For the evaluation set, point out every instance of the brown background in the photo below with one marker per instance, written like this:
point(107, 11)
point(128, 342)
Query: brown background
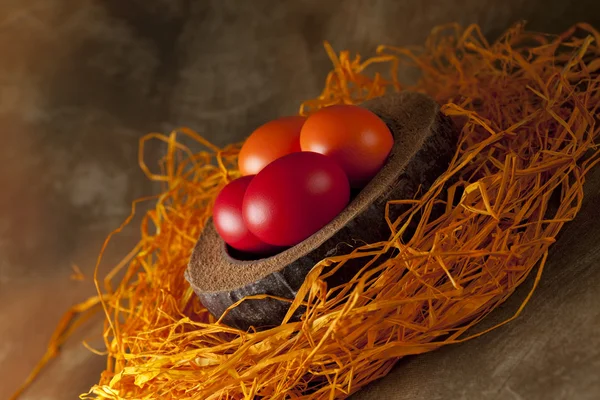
point(82, 80)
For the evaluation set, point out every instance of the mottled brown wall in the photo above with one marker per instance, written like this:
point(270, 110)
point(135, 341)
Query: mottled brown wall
point(82, 80)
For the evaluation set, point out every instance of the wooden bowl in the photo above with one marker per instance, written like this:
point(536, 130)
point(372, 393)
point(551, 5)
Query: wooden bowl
point(424, 143)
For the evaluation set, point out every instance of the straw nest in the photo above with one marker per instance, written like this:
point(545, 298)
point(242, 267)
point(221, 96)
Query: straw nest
point(527, 109)
point(424, 143)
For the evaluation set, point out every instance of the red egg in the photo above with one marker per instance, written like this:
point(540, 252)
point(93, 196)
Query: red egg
point(228, 221)
point(294, 197)
point(357, 139)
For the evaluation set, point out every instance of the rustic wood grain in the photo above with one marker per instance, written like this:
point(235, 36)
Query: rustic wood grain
point(82, 80)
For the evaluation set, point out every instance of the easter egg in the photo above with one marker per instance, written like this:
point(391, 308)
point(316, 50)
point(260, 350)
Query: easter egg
point(269, 142)
point(357, 139)
point(228, 221)
point(294, 197)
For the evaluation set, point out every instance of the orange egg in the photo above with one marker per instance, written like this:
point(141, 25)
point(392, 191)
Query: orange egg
point(269, 142)
point(357, 139)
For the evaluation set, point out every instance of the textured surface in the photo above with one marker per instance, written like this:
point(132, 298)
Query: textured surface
point(424, 144)
point(551, 352)
point(82, 80)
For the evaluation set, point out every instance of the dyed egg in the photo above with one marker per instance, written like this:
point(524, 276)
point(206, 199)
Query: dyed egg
point(357, 139)
point(269, 142)
point(294, 197)
point(228, 221)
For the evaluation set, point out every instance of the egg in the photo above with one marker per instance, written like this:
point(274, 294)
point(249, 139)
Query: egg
point(294, 197)
point(357, 139)
point(228, 220)
point(269, 142)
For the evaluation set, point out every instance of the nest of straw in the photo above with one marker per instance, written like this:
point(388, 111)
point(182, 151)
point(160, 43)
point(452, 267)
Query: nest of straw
point(527, 107)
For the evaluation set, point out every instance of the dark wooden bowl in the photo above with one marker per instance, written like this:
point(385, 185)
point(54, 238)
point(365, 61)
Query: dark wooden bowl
point(424, 143)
